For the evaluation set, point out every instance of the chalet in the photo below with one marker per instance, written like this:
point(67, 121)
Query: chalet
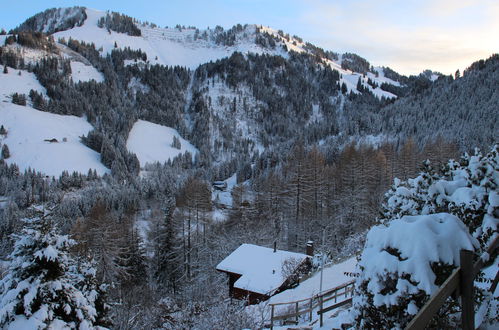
point(256, 273)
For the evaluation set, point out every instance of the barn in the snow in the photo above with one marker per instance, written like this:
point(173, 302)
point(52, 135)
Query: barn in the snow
point(256, 273)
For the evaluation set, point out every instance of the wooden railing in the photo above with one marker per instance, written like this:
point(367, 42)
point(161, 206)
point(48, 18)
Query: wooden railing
point(460, 283)
point(294, 309)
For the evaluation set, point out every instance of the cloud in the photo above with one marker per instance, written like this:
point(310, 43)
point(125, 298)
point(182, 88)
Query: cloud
point(442, 35)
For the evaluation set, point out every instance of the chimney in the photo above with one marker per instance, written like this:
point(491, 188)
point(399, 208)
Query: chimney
point(310, 248)
point(275, 247)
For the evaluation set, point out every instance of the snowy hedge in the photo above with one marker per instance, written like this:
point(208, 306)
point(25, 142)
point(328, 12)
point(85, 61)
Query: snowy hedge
point(426, 222)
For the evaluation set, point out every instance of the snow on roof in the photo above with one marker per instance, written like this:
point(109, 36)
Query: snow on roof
point(261, 268)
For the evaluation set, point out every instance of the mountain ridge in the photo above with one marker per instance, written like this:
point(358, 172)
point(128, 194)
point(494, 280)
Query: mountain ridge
point(251, 89)
point(264, 40)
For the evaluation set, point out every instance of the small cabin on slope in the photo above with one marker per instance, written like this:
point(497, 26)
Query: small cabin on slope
point(256, 273)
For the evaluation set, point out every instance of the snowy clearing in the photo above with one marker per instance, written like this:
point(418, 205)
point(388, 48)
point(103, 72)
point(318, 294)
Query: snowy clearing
point(12, 82)
point(83, 73)
point(27, 130)
point(224, 198)
point(153, 143)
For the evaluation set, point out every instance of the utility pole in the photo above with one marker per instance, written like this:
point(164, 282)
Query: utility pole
point(322, 273)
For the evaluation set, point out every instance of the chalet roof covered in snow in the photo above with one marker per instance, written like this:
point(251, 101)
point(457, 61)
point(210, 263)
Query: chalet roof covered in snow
point(261, 268)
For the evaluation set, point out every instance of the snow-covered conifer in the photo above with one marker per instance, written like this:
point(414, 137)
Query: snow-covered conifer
point(5, 152)
point(45, 287)
point(426, 222)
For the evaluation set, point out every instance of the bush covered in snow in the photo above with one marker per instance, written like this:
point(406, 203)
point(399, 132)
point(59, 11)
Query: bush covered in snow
point(426, 222)
point(45, 287)
point(467, 189)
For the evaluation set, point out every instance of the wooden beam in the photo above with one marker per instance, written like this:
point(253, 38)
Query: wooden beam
point(436, 300)
point(330, 308)
point(466, 285)
point(494, 283)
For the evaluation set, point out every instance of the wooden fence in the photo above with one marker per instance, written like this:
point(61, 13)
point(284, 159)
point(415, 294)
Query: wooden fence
point(460, 283)
point(294, 309)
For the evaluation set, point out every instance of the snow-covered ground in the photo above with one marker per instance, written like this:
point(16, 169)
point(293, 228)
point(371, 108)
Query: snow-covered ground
point(4, 200)
point(27, 130)
point(12, 82)
point(171, 46)
point(81, 72)
point(224, 198)
point(162, 46)
point(334, 275)
point(153, 143)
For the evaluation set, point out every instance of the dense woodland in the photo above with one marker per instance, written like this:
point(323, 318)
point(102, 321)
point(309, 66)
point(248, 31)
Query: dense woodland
point(302, 174)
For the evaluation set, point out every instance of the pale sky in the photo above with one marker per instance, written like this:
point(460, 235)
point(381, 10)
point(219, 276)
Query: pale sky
point(406, 35)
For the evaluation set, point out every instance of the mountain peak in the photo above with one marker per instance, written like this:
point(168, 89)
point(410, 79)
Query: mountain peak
point(191, 47)
point(54, 20)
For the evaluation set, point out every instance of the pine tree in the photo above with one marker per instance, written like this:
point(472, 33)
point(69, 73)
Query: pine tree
point(45, 287)
point(5, 152)
point(344, 88)
point(176, 142)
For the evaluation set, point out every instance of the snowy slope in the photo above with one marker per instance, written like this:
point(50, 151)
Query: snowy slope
point(184, 47)
point(28, 128)
point(81, 72)
point(153, 143)
point(162, 46)
point(171, 46)
point(225, 197)
point(333, 276)
point(348, 77)
point(12, 82)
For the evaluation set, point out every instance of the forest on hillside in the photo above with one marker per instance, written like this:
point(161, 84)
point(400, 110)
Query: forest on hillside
point(312, 160)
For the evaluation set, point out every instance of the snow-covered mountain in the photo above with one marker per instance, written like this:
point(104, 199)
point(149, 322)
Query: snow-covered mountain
point(40, 140)
point(231, 94)
point(198, 141)
point(191, 47)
